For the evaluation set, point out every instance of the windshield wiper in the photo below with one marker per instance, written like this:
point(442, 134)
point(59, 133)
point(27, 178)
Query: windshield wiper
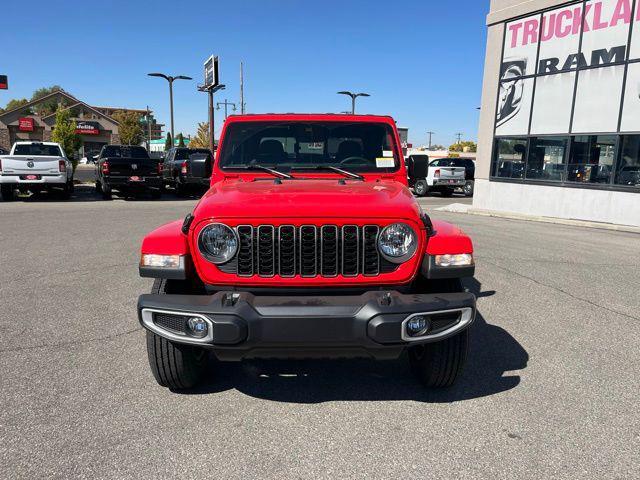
point(346, 173)
point(262, 168)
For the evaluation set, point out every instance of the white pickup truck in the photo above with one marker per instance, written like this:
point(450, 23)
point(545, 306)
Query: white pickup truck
point(35, 167)
point(438, 175)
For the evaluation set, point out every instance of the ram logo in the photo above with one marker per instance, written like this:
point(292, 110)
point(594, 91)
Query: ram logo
point(511, 89)
point(30, 164)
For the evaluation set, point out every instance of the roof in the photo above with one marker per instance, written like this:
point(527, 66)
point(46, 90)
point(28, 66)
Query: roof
point(29, 142)
point(89, 107)
point(33, 102)
point(338, 117)
point(137, 110)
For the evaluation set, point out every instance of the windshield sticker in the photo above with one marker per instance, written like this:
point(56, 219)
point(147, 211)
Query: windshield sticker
point(387, 153)
point(384, 162)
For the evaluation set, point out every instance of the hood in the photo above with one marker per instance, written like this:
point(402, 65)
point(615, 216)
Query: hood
point(308, 198)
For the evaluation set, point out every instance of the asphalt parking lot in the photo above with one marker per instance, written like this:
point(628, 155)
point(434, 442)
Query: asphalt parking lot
point(550, 390)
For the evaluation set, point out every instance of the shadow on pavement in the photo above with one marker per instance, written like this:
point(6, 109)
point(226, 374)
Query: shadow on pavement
point(87, 193)
point(492, 353)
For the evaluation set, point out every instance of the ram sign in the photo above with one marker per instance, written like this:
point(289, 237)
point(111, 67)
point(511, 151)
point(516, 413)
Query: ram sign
point(571, 70)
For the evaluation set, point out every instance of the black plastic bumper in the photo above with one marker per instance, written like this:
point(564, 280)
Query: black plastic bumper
point(243, 325)
point(144, 183)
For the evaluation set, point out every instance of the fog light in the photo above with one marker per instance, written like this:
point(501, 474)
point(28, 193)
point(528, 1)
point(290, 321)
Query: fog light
point(418, 326)
point(198, 327)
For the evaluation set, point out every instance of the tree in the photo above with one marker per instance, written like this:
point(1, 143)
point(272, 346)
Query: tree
point(15, 103)
point(201, 140)
point(64, 133)
point(465, 146)
point(181, 140)
point(438, 147)
point(48, 106)
point(168, 143)
point(131, 132)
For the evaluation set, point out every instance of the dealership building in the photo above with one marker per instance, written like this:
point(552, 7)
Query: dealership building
point(559, 132)
point(95, 125)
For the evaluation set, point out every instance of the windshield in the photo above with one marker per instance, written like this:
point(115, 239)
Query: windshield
point(356, 147)
point(125, 152)
point(37, 150)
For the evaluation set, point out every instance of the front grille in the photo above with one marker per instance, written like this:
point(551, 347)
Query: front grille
point(308, 251)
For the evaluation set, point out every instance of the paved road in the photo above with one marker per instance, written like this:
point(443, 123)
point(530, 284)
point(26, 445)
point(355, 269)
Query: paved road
point(551, 388)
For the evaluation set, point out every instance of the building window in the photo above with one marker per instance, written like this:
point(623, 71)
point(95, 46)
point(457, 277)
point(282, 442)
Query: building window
point(592, 159)
point(509, 157)
point(628, 171)
point(547, 159)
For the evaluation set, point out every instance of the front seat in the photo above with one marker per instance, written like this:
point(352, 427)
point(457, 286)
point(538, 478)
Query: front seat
point(271, 151)
point(348, 148)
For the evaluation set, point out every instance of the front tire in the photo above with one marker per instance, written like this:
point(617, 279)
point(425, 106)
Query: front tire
point(175, 366)
point(420, 188)
point(438, 365)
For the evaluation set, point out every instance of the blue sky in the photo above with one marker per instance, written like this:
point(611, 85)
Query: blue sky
point(421, 61)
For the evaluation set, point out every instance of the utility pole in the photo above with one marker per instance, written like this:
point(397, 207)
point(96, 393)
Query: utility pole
point(430, 135)
point(353, 98)
point(242, 106)
point(226, 104)
point(459, 136)
point(148, 129)
point(170, 79)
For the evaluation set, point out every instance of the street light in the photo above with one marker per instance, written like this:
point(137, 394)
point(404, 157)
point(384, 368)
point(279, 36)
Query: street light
point(170, 79)
point(353, 98)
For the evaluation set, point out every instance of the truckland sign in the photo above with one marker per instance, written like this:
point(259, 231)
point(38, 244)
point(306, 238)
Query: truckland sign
point(579, 50)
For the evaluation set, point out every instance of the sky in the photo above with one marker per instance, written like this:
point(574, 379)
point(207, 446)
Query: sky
point(420, 60)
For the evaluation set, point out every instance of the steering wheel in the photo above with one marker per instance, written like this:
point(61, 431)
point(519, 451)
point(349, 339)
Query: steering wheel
point(355, 161)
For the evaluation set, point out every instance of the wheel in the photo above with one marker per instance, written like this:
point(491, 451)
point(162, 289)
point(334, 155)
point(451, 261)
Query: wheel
point(420, 188)
point(180, 189)
point(98, 187)
point(439, 364)
point(447, 192)
point(468, 188)
point(105, 190)
point(173, 365)
point(65, 193)
point(7, 192)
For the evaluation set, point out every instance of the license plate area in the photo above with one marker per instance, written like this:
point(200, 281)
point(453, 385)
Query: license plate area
point(30, 177)
point(135, 178)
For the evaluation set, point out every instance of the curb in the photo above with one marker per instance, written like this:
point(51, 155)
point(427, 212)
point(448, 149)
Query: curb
point(455, 208)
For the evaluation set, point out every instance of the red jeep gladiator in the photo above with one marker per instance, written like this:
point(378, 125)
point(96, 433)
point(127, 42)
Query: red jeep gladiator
point(308, 244)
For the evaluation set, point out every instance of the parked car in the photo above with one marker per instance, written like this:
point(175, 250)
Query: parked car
point(128, 170)
point(186, 169)
point(308, 244)
point(36, 167)
point(469, 176)
point(439, 175)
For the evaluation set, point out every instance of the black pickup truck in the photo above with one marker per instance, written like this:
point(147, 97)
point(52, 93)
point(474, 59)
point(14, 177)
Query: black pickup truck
point(187, 169)
point(128, 170)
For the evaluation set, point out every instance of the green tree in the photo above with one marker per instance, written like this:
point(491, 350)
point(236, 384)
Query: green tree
point(201, 140)
point(15, 103)
point(438, 147)
point(49, 106)
point(181, 140)
point(465, 146)
point(131, 132)
point(168, 144)
point(64, 133)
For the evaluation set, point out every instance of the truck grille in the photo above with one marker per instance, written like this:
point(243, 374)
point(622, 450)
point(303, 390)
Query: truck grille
point(308, 251)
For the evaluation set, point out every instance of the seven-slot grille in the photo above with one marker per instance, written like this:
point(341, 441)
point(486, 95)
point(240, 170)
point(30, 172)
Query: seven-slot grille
point(308, 251)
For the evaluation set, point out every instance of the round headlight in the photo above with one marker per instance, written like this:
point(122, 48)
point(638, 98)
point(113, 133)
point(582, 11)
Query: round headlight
point(218, 243)
point(397, 242)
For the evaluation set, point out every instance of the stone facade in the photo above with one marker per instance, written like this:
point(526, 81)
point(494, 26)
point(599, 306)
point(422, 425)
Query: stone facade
point(4, 139)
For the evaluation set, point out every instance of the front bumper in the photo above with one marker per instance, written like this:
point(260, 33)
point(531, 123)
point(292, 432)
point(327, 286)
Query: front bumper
point(43, 179)
point(242, 325)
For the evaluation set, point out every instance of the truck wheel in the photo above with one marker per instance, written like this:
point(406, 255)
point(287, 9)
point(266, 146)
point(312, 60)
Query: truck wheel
point(439, 364)
point(173, 365)
point(105, 190)
point(468, 188)
point(7, 192)
point(420, 188)
point(65, 193)
point(180, 190)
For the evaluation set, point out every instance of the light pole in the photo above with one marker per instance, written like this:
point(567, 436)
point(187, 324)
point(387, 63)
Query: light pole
point(353, 98)
point(226, 104)
point(170, 79)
